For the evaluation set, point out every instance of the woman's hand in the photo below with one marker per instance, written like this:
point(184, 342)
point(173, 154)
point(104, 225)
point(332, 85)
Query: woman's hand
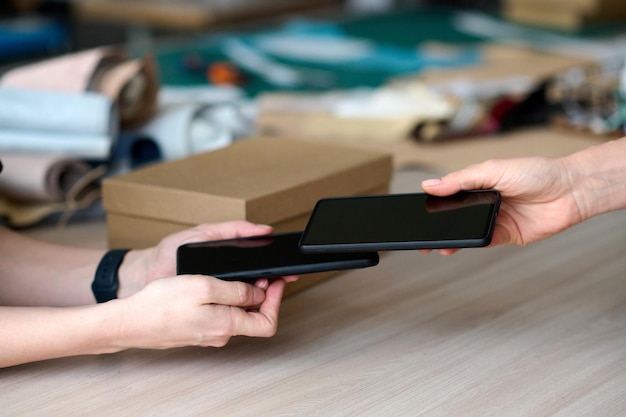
point(187, 310)
point(537, 196)
point(196, 310)
point(143, 266)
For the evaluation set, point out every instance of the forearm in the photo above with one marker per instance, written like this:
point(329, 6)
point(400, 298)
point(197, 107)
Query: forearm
point(598, 177)
point(38, 333)
point(33, 272)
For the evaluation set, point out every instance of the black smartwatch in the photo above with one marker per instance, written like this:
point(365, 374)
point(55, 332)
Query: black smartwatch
point(106, 281)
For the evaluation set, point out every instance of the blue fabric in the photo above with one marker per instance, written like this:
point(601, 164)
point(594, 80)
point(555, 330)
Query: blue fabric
point(32, 36)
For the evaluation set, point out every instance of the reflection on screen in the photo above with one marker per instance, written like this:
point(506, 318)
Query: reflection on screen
point(400, 218)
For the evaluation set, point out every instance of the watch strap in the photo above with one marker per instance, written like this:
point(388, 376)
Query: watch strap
point(106, 281)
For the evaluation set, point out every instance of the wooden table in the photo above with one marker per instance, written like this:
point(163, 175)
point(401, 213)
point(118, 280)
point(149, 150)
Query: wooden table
point(508, 331)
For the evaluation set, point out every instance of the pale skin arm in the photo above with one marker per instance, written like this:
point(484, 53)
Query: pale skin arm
point(35, 273)
point(169, 312)
point(544, 196)
point(184, 310)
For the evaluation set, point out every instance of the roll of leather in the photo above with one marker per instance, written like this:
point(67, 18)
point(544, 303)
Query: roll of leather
point(183, 130)
point(42, 188)
point(130, 83)
point(37, 142)
point(40, 178)
point(57, 123)
point(51, 111)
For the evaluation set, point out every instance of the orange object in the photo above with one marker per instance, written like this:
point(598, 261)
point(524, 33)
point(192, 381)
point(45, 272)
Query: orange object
point(221, 73)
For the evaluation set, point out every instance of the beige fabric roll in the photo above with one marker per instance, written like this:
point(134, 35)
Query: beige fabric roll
point(79, 192)
point(131, 83)
point(40, 178)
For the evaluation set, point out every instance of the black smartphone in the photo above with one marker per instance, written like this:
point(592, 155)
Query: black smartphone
point(267, 256)
point(401, 221)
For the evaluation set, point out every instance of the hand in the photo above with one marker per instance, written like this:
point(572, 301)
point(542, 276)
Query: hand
point(143, 266)
point(538, 200)
point(196, 310)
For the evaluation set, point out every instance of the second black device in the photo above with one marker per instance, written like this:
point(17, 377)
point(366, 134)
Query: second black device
point(401, 221)
point(267, 256)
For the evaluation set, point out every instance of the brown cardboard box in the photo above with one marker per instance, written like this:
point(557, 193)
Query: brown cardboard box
point(274, 181)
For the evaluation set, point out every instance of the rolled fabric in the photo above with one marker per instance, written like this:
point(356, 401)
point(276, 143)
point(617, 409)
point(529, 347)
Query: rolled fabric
point(130, 83)
point(184, 130)
point(40, 178)
point(44, 122)
point(84, 197)
point(50, 111)
point(132, 151)
point(71, 73)
point(81, 146)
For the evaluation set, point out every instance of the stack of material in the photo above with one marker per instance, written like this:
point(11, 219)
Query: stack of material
point(59, 124)
point(34, 187)
point(592, 97)
point(131, 84)
point(564, 14)
point(42, 122)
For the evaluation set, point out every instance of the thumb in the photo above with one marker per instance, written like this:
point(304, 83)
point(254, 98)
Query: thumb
point(475, 177)
point(437, 186)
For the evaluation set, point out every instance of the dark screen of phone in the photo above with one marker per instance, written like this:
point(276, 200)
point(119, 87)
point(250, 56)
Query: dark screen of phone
point(401, 218)
point(259, 253)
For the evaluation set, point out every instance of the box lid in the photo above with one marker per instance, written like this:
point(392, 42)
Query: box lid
point(261, 179)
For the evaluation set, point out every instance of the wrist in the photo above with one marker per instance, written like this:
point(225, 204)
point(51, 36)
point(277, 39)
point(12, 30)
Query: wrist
point(132, 274)
point(598, 178)
point(100, 331)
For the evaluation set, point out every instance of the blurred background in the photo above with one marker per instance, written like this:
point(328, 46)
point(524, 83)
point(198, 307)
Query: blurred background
point(95, 88)
point(35, 27)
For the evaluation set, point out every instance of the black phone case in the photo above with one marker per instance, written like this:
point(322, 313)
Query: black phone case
point(250, 262)
point(449, 243)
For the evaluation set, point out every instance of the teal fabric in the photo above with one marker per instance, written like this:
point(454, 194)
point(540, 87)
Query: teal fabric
point(394, 38)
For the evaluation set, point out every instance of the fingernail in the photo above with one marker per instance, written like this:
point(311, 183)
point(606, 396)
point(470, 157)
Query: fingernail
point(431, 182)
point(261, 283)
point(259, 295)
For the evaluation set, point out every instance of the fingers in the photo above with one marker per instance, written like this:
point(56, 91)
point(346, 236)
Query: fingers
point(290, 278)
point(264, 282)
point(448, 252)
point(238, 294)
point(475, 177)
point(274, 294)
point(264, 322)
point(502, 234)
point(444, 186)
point(206, 311)
point(233, 229)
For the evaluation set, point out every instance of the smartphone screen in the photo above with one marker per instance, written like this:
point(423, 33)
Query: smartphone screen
point(401, 221)
point(268, 256)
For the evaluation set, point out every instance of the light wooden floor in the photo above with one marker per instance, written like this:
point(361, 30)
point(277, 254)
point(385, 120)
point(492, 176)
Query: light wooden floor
point(508, 331)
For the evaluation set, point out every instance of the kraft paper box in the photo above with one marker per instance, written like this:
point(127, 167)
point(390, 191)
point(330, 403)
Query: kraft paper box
point(267, 180)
